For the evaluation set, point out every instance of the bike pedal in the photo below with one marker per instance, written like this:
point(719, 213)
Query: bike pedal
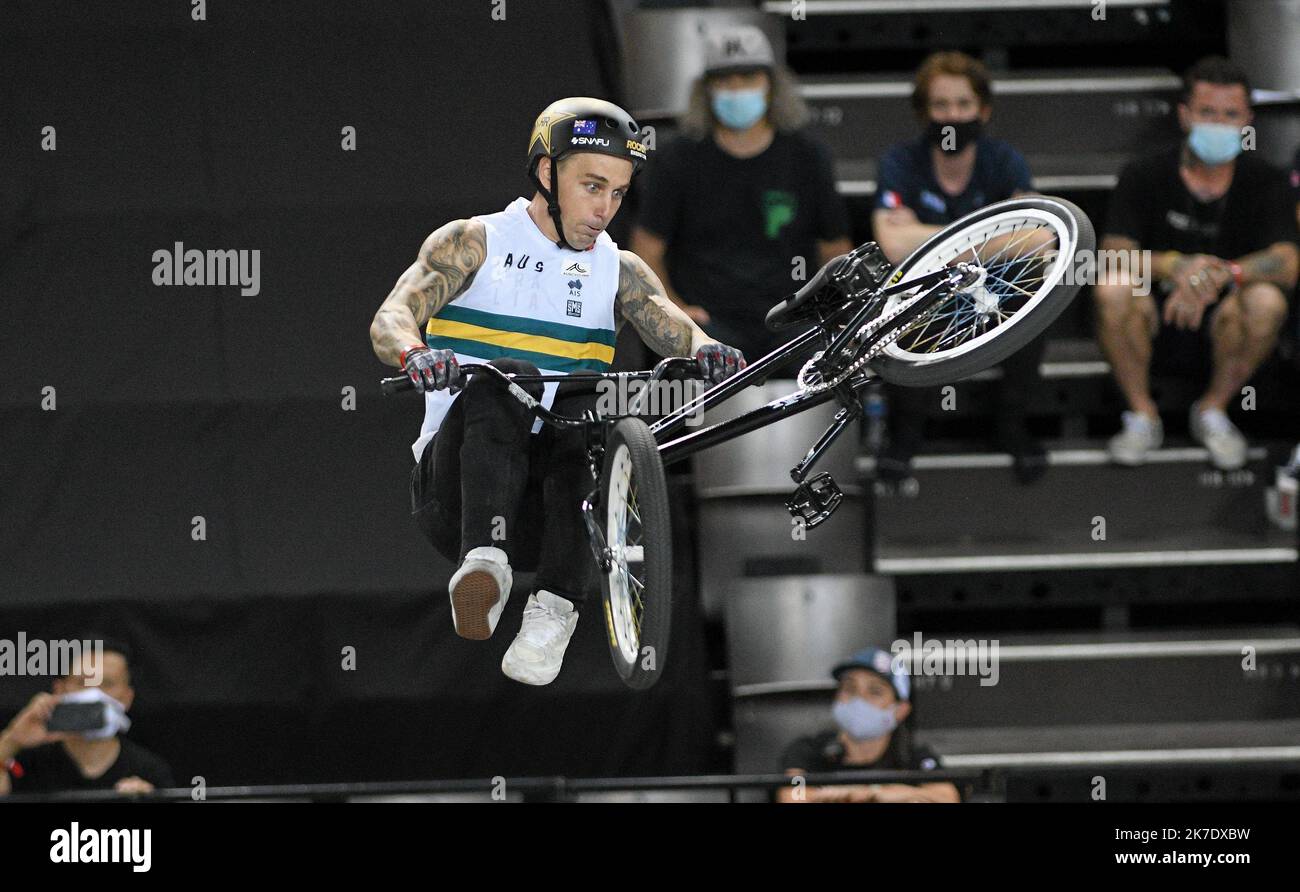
point(815, 499)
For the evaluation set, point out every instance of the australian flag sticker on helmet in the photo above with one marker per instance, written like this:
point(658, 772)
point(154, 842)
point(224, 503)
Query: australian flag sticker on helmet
point(583, 127)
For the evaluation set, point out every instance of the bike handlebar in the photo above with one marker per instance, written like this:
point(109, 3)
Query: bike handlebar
point(684, 364)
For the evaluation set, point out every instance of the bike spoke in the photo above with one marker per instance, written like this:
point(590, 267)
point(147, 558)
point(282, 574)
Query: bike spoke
point(1014, 277)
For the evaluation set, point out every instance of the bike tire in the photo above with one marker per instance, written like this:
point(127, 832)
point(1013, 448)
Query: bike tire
point(638, 650)
point(1010, 337)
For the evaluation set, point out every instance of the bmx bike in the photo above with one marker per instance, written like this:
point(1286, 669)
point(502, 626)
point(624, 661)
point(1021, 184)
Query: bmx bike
point(965, 300)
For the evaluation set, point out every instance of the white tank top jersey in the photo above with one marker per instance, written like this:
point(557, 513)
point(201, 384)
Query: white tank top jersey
point(532, 300)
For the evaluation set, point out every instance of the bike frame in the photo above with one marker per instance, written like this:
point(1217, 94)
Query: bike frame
point(814, 499)
point(674, 449)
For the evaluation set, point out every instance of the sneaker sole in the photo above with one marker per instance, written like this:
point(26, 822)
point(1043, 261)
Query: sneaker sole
point(524, 676)
point(473, 598)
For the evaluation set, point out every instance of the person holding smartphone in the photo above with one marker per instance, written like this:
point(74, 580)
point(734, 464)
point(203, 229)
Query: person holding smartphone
point(37, 759)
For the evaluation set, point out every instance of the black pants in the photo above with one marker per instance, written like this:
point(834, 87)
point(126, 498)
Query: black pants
point(486, 480)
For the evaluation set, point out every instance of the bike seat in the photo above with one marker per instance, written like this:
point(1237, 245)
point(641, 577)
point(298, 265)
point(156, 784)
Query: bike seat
point(863, 267)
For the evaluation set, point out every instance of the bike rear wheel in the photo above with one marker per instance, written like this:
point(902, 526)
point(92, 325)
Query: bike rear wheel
point(637, 589)
point(1026, 248)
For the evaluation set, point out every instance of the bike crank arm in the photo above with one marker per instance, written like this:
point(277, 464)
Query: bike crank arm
point(841, 421)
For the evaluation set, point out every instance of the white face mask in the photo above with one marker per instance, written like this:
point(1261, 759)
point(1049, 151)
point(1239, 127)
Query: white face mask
point(115, 717)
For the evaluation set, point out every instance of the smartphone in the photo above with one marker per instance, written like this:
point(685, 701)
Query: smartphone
point(78, 717)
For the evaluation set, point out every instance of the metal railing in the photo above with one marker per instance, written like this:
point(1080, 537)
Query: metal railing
point(557, 788)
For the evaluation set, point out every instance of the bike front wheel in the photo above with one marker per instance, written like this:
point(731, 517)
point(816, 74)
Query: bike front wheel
point(1025, 249)
point(637, 589)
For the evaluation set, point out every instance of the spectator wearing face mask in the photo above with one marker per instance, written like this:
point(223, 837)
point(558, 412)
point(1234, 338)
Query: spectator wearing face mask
point(34, 759)
point(1219, 227)
point(950, 170)
point(745, 200)
point(871, 707)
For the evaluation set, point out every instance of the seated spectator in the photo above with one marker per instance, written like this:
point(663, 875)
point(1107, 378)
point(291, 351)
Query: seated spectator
point(1222, 228)
point(1295, 188)
point(744, 200)
point(949, 171)
point(38, 760)
point(871, 708)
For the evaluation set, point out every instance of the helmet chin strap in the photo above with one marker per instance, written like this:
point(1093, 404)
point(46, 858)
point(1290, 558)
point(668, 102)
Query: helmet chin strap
point(552, 204)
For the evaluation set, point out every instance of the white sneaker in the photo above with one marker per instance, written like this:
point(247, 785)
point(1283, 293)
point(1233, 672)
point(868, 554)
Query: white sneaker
point(479, 592)
point(1140, 435)
point(537, 651)
point(1215, 432)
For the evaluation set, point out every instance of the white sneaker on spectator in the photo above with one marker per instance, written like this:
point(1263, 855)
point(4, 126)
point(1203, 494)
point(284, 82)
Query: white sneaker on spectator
point(538, 650)
point(479, 591)
point(1140, 435)
point(1213, 430)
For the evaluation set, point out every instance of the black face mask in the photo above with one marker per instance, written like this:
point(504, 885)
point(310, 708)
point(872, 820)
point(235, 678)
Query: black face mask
point(951, 141)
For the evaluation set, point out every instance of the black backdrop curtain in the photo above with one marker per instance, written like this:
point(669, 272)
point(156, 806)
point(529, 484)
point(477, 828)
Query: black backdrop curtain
point(176, 402)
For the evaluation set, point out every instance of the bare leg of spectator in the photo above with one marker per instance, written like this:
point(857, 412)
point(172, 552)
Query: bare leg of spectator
point(1126, 325)
point(1244, 331)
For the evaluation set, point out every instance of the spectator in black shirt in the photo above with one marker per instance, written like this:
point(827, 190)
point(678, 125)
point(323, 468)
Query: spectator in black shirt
point(871, 707)
point(742, 206)
point(36, 760)
point(923, 185)
point(1221, 226)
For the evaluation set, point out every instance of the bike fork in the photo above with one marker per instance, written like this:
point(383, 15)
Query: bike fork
point(595, 443)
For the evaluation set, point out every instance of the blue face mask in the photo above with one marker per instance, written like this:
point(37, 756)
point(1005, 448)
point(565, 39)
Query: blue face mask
point(739, 109)
point(862, 720)
point(1215, 143)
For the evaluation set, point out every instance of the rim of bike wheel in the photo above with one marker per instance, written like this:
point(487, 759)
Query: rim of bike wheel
point(623, 537)
point(1013, 282)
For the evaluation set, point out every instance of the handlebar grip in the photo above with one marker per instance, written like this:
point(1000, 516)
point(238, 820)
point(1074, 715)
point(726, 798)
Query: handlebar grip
point(391, 386)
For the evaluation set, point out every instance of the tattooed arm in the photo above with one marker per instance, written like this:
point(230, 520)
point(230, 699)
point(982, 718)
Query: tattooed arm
point(448, 260)
point(662, 324)
point(1277, 264)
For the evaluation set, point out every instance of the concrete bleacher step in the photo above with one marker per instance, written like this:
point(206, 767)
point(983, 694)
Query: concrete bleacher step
point(1112, 115)
point(967, 513)
point(1171, 743)
point(921, 7)
point(1063, 359)
point(1244, 674)
point(1077, 701)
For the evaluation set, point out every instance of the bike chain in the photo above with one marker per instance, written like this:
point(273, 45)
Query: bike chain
point(863, 332)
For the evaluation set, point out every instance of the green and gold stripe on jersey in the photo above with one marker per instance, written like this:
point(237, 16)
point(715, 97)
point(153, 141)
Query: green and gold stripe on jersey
point(547, 345)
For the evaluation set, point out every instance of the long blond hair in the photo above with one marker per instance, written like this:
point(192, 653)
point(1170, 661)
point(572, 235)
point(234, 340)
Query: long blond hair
point(785, 111)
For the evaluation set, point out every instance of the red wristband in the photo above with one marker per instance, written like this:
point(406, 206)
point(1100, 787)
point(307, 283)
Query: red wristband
point(401, 357)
